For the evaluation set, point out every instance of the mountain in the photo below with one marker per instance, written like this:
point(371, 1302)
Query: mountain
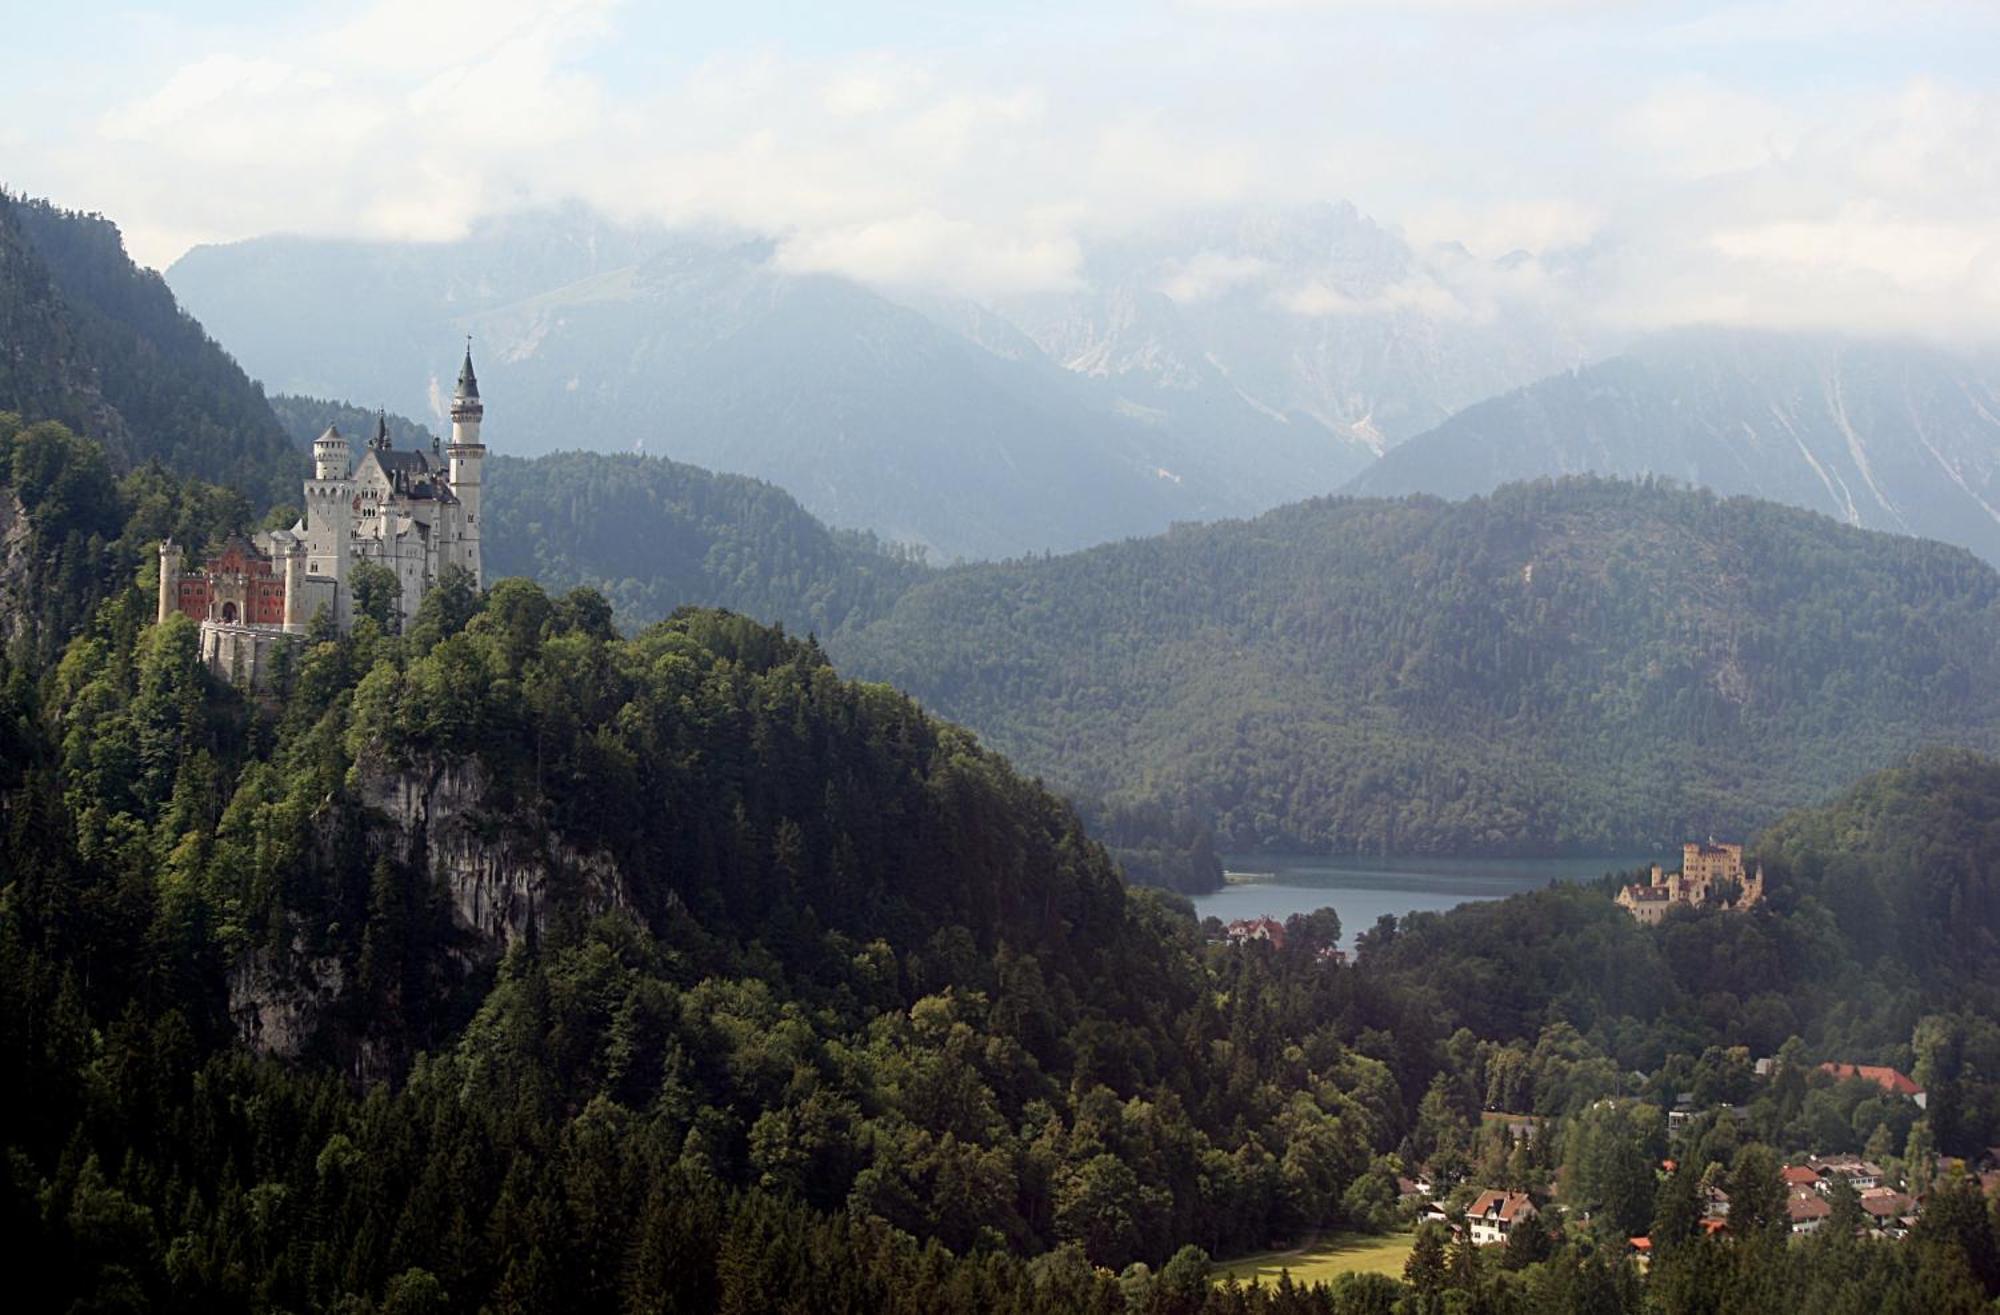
point(1314, 317)
point(1885, 435)
point(703, 347)
point(96, 342)
point(1585, 665)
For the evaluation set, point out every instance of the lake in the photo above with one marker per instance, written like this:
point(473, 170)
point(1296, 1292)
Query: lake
point(1363, 889)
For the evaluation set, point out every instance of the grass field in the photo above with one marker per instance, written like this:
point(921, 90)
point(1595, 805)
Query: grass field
point(1325, 1258)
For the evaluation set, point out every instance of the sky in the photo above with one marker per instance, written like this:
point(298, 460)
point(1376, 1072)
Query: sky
point(1818, 163)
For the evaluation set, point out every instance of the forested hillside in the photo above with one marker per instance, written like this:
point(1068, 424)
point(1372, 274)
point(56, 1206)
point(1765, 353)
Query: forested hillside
point(654, 535)
point(1585, 665)
point(96, 342)
point(514, 966)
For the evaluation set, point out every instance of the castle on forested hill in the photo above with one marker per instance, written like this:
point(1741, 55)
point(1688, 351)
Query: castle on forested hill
point(413, 513)
point(1711, 874)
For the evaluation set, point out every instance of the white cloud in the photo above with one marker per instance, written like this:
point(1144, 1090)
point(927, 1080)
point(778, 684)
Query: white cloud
point(1210, 274)
point(928, 250)
point(1649, 192)
point(1697, 129)
point(1421, 294)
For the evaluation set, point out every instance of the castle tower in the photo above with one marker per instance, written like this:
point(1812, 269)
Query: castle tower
point(293, 563)
point(467, 455)
point(171, 558)
point(329, 521)
point(330, 455)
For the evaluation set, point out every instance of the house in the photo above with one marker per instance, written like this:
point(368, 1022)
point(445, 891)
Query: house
point(1807, 1211)
point(1889, 1079)
point(1886, 1208)
point(1714, 1203)
point(1860, 1174)
point(1493, 1215)
point(1799, 1178)
point(1266, 929)
point(1682, 1113)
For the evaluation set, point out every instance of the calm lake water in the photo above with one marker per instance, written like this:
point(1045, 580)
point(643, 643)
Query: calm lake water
point(1363, 889)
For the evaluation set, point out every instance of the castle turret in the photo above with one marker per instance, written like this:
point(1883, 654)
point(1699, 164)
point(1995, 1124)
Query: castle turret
point(330, 455)
point(292, 562)
point(467, 454)
point(171, 560)
point(330, 519)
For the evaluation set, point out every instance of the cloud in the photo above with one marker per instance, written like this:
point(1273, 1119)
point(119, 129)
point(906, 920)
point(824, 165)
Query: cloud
point(1697, 128)
point(985, 156)
point(1209, 274)
point(1422, 294)
point(927, 250)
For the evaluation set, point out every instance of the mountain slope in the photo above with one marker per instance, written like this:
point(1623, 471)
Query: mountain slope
point(1889, 436)
point(700, 347)
point(100, 344)
point(1587, 665)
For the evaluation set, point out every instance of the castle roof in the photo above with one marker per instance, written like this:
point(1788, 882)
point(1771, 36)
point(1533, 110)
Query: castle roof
point(410, 474)
point(468, 382)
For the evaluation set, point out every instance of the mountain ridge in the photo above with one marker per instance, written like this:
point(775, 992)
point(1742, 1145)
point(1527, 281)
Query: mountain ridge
point(1885, 434)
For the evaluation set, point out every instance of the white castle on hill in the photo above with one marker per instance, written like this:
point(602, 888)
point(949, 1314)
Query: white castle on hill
point(415, 513)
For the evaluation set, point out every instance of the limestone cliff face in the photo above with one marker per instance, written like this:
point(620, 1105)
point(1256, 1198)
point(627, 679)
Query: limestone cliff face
point(500, 873)
point(16, 569)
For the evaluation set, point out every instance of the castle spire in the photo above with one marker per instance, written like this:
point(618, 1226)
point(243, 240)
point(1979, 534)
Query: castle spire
point(381, 441)
point(468, 382)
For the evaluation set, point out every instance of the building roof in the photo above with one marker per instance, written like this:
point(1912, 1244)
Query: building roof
point(1847, 1166)
point(1504, 1206)
point(1880, 1074)
point(468, 382)
point(1885, 1203)
point(1802, 1208)
point(1266, 927)
point(1798, 1175)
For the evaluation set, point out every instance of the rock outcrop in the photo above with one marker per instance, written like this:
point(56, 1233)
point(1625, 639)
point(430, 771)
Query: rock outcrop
point(500, 873)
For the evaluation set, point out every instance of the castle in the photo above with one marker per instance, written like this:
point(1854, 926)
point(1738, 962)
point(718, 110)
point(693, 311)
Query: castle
point(414, 513)
point(1710, 874)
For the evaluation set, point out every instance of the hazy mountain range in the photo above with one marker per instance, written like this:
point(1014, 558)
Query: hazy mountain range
point(1213, 371)
point(1886, 435)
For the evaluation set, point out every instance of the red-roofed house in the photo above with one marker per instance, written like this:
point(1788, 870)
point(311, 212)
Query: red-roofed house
point(1799, 1177)
point(1891, 1081)
point(1807, 1212)
point(1493, 1215)
point(1266, 929)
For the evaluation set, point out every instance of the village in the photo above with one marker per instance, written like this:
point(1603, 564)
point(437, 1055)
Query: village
point(1878, 1195)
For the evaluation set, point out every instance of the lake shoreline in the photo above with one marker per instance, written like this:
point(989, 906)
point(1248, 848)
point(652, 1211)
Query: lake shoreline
point(1361, 890)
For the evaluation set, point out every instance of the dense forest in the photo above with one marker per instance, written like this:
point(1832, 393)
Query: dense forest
point(96, 342)
point(1584, 665)
point(512, 964)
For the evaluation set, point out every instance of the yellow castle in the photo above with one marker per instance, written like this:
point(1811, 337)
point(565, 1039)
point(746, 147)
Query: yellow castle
point(1711, 875)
